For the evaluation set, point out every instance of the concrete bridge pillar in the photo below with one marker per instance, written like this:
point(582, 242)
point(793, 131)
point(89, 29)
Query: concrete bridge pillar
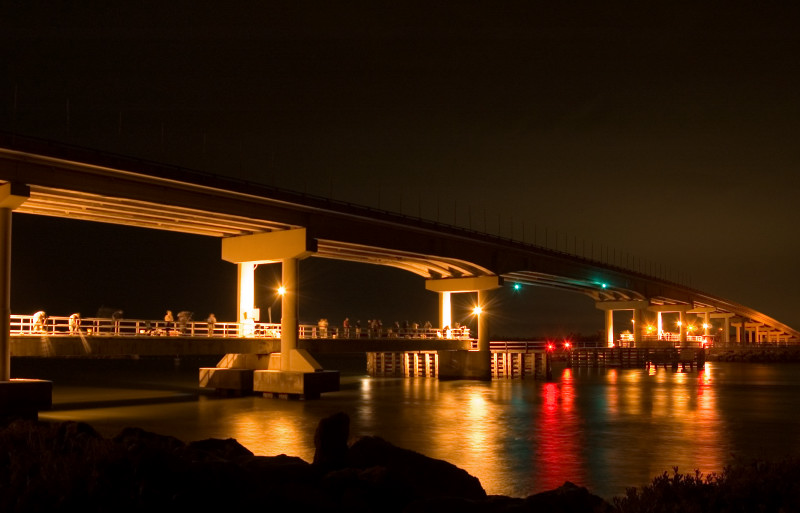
point(445, 311)
point(638, 325)
point(467, 364)
point(289, 307)
point(609, 318)
point(11, 197)
point(683, 327)
point(293, 372)
point(18, 397)
point(246, 290)
point(483, 321)
point(726, 330)
point(725, 337)
point(5, 294)
point(609, 307)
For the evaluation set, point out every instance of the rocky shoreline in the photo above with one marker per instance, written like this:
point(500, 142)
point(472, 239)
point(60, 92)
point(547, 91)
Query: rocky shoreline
point(68, 466)
point(787, 354)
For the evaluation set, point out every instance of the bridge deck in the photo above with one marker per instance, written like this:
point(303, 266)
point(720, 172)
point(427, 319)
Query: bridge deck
point(98, 346)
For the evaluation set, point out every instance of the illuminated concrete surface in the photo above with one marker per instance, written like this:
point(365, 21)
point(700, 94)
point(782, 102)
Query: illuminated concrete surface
point(82, 184)
point(258, 223)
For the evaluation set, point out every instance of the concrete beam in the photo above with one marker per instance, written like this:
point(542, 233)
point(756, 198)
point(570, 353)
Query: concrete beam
point(621, 305)
point(262, 248)
point(670, 308)
point(464, 284)
point(702, 309)
point(12, 195)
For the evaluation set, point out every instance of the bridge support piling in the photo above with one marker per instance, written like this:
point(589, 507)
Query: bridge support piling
point(467, 364)
point(292, 372)
point(5, 294)
point(18, 397)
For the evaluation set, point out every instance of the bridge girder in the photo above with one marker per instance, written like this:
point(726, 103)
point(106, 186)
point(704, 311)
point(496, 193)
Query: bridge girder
point(80, 184)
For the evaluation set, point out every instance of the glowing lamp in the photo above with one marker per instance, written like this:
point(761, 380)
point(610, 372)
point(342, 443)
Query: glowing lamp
point(281, 290)
point(477, 310)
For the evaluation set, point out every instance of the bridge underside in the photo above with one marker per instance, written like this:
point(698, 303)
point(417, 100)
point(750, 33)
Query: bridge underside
point(80, 184)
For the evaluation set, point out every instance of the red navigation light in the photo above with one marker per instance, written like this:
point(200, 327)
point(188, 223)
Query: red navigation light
point(567, 345)
point(550, 346)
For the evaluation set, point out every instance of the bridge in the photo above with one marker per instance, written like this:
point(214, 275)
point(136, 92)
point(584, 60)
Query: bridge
point(260, 224)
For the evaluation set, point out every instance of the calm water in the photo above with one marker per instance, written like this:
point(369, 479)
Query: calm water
point(603, 429)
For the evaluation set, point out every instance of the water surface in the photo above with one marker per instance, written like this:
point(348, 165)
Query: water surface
point(606, 429)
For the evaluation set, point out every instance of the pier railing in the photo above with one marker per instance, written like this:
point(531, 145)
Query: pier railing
point(27, 325)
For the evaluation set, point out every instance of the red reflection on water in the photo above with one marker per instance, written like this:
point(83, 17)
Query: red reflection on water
point(558, 454)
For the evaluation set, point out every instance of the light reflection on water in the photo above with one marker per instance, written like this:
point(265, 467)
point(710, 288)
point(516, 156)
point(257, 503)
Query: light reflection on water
point(606, 429)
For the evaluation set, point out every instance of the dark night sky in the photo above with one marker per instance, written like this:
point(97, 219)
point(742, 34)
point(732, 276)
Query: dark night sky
point(667, 131)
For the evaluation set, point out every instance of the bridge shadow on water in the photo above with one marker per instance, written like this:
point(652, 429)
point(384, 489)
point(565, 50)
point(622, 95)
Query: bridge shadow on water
point(96, 383)
point(120, 402)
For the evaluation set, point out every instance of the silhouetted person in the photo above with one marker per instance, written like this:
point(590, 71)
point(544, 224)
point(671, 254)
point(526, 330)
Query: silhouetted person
point(116, 317)
point(211, 321)
point(168, 321)
point(39, 318)
point(74, 323)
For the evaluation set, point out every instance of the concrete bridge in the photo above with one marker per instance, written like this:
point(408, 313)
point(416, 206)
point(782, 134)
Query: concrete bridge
point(259, 224)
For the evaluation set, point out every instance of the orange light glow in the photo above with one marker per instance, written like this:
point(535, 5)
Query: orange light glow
point(281, 290)
point(477, 310)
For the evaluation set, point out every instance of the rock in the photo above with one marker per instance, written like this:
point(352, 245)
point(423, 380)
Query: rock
point(568, 498)
point(216, 449)
point(137, 438)
point(412, 475)
point(279, 469)
point(330, 441)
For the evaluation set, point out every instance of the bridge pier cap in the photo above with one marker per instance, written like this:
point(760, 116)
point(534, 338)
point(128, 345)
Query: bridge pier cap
point(268, 247)
point(473, 284)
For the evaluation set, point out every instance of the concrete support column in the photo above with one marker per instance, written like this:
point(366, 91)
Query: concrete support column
point(660, 327)
point(246, 290)
point(289, 309)
point(483, 322)
point(5, 294)
point(609, 327)
point(706, 323)
point(445, 310)
point(683, 330)
point(12, 195)
point(726, 330)
point(638, 326)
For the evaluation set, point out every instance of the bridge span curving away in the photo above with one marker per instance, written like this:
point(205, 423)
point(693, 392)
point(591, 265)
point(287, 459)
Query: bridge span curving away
point(258, 223)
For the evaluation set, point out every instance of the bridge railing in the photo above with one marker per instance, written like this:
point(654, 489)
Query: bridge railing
point(26, 325)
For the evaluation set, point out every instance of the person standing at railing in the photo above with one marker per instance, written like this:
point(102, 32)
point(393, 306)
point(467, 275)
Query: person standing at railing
point(184, 317)
point(211, 321)
point(39, 318)
point(168, 320)
point(75, 323)
point(346, 327)
point(116, 317)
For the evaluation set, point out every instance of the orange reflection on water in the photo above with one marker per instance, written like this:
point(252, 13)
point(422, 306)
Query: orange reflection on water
point(680, 416)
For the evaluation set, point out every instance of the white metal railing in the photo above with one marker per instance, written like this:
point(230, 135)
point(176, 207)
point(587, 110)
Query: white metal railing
point(27, 325)
point(626, 339)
